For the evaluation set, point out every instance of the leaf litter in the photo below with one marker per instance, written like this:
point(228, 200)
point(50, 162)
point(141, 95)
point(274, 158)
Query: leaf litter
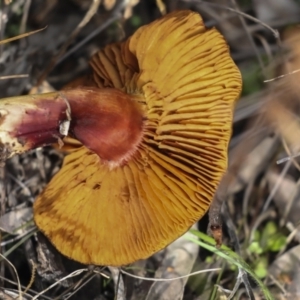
point(271, 136)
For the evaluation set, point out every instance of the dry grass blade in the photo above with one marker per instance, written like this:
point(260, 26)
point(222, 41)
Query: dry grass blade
point(21, 36)
point(170, 279)
point(88, 16)
point(250, 37)
point(17, 276)
point(73, 274)
point(107, 23)
point(25, 16)
point(247, 16)
point(14, 76)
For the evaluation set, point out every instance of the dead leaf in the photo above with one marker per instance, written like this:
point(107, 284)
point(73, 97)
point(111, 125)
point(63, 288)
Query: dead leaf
point(13, 221)
point(254, 163)
point(286, 270)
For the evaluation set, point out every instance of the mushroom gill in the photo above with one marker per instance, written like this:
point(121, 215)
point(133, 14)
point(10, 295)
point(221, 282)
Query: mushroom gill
point(114, 211)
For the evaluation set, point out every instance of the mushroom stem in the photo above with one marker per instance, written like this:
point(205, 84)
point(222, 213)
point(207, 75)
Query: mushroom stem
point(28, 122)
point(107, 121)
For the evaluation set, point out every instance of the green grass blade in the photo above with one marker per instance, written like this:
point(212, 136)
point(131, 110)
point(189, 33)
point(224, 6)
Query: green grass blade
point(230, 256)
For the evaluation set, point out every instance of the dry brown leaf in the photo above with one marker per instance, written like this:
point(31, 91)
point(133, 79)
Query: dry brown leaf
point(282, 105)
point(13, 221)
point(178, 260)
point(254, 163)
point(286, 197)
point(286, 270)
point(269, 10)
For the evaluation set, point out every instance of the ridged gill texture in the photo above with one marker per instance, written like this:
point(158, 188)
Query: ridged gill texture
point(185, 81)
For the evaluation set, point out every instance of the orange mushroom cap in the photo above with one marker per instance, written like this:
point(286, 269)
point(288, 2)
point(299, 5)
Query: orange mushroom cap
point(182, 78)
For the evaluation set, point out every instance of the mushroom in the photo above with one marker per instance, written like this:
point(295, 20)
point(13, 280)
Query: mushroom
point(154, 124)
